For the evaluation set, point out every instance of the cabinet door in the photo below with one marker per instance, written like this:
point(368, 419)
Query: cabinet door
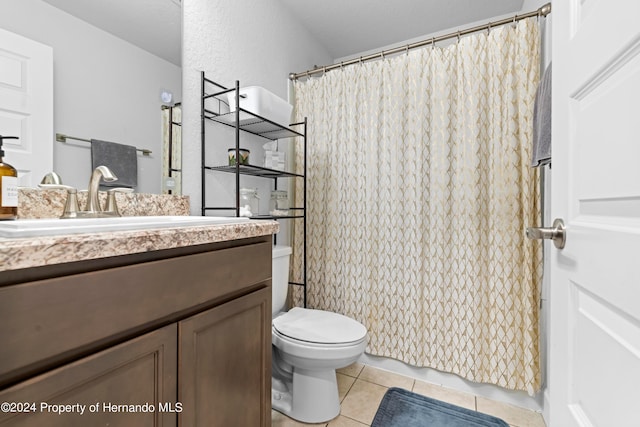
point(224, 364)
point(138, 372)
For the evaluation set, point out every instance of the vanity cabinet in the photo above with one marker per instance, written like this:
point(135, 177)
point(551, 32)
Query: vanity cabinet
point(141, 370)
point(186, 332)
point(225, 364)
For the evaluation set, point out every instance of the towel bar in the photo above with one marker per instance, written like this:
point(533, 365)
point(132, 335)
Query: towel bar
point(63, 138)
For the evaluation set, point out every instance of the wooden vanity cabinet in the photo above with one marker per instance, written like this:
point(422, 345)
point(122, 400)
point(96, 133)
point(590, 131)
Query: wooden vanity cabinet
point(186, 330)
point(141, 370)
point(225, 364)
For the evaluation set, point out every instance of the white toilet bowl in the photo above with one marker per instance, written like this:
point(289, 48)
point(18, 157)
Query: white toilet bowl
point(305, 360)
point(308, 346)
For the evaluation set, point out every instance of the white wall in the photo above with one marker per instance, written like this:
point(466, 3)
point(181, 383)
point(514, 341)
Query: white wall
point(104, 88)
point(531, 5)
point(255, 42)
point(528, 6)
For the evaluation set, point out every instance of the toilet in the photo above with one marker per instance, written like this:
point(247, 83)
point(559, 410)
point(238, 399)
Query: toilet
point(307, 348)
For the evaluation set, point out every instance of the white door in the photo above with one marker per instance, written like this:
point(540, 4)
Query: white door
point(26, 106)
point(595, 280)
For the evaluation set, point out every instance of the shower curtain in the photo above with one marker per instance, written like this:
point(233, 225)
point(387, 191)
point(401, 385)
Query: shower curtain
point(419, 192)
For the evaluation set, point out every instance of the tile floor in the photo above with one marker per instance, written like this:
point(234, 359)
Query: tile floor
point(362, 387)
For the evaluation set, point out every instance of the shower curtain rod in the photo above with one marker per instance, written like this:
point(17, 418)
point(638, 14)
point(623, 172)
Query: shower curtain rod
point(542, 11)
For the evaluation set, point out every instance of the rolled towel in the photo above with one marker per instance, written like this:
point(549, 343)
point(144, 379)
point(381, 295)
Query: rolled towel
point(541, 153)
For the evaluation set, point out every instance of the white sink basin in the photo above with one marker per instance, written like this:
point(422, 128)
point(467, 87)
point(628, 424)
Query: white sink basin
point(52, 227)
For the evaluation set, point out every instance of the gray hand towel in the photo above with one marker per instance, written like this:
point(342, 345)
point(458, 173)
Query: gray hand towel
point(541, 154)
point(121, 159)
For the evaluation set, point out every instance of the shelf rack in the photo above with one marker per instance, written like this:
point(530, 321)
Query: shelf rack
point(244, 121)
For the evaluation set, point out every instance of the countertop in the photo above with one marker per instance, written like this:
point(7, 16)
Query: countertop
point(31, 252)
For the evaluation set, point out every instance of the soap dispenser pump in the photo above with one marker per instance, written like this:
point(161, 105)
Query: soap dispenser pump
point(8, 186)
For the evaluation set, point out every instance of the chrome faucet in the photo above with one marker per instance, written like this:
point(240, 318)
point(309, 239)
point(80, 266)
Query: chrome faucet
point(99, 173)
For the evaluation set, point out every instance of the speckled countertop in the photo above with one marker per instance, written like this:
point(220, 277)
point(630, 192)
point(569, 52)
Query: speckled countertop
point(30, 252)
point(38, 251)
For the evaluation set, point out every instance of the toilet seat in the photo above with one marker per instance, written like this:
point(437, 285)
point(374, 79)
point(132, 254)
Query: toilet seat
point(318, 327)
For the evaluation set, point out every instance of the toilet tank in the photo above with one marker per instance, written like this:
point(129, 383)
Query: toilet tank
point(279, 278)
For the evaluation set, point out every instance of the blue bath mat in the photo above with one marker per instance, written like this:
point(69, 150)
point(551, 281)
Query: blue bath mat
point(402, 408)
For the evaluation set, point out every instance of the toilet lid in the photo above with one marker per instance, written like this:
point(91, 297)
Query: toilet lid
point(319, 326)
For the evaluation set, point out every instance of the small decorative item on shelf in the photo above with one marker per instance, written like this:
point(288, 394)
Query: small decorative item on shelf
point(249, 202)
point(279, 203)
point(244, 156)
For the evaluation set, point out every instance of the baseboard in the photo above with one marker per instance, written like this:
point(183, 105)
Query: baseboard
point(546, 413)
point(494, 392)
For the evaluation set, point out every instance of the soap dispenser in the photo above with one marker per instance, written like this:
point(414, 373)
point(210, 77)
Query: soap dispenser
point(8, 186)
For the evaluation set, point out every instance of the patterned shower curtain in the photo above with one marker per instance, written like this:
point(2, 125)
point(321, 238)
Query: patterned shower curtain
point(419, 192)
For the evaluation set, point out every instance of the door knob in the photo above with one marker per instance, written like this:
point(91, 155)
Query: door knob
point(555, 233)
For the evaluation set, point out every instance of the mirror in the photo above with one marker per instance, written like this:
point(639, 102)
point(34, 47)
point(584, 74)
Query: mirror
point(111, 60)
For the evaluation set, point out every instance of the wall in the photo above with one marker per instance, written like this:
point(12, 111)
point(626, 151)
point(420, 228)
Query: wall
point(255, 42)
point(104, 88)
point(528, 6)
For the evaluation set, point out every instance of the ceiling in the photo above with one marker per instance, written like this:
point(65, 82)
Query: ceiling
point(344, 27)
point(153, 25)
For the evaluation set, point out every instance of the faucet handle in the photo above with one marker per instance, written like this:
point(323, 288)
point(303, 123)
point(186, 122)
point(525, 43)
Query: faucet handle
point(111, 205)
point(51, 178)
point(71, 206)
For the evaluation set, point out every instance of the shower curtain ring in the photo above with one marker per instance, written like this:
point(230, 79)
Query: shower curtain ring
point(360, 60)
point(341, 65)
point(458, 36)
point(514, 19)
point(382, 54)
point(489, 28)
point(433, 43)
point(407, 49)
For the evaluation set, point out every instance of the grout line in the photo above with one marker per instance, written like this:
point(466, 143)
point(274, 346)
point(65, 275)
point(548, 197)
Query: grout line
point(361, 370)
point(371, 382)
point(353, 419)
point(348, 391)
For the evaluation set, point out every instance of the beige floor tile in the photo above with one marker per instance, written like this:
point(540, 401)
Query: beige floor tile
point(281, 420)
point(343, 421)
point(344, 385)
point(448, 395)
point(362, 401)
point(386, 378)
point(512, 415)
point(352, 370)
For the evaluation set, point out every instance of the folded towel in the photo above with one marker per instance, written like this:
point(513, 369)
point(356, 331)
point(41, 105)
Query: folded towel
point(541, 154)
point(121, 159)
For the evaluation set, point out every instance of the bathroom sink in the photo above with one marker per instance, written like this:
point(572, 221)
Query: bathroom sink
point(52, 227)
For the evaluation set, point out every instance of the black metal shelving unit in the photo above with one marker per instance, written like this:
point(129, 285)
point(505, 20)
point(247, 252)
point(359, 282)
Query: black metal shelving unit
point(253, 124)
